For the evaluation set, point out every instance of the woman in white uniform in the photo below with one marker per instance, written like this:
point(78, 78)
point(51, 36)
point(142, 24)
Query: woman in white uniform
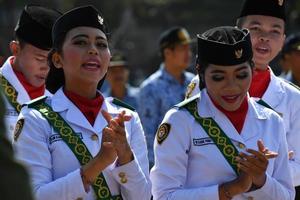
point(219, 145)
point(76, 144)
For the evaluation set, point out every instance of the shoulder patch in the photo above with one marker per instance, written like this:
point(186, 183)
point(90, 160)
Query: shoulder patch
point(163, 132)
point(18, 129)
point(185, 102)
point(118, 102)
point(36, 101)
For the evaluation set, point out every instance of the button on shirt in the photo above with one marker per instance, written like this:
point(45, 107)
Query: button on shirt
point(157, 95)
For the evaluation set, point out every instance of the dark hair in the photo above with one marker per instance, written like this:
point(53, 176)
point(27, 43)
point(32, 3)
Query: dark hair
point(21, 42)
point(240, 22)
point(56, 76)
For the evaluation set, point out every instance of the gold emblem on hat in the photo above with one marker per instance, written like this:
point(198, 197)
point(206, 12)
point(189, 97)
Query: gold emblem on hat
point(100, 19)
point(184, 36)
point(280, 2)
point(238, 53)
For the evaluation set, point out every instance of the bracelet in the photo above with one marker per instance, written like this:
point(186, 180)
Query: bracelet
point(227, 193)
point(85, 181)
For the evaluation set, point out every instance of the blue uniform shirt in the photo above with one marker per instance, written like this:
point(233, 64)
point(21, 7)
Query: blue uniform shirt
point(130, 96)
point(157, 95)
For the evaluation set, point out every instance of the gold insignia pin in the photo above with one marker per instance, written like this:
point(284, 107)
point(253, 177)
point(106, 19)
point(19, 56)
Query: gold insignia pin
point(163, 132)
point(238, 53)
point(241, 145)
point(280, 2)
point(100, 19)
point(190, 89)
point(18, 129)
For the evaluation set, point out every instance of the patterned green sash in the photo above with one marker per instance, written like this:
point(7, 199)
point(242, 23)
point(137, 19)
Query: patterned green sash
point(221, 140)
point(76, 145)
point(10, 93)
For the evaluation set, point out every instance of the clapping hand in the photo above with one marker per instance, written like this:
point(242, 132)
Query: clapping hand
point(115, 131)
point(255, 163)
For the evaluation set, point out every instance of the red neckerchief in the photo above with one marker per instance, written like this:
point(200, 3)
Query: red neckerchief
point(31, 90)
point(237, 117)
point(260, 83)
point(89, 107)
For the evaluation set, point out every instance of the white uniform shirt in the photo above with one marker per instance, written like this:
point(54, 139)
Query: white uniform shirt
point(189, 166)
point(54, 169)
point(284, 99)
point(11, 114)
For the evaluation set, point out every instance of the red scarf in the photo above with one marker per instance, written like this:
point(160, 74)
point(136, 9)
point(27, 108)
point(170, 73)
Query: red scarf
point(89, 107)
point(32, 91)
point(260, 83)
point(237, 117)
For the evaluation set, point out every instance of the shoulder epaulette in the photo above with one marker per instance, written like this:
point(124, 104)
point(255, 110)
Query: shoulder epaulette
point(294, 85)
point(118, 102)
point(263, 103)
point(36, 101)
point(187, 101)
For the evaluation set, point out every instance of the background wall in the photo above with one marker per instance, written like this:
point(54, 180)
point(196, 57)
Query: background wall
point(136, 24)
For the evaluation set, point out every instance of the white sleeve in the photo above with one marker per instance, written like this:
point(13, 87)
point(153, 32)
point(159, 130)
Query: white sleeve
point(293, 139)
point(279, 184)
point(169, 173)
point(138, 185)
point(32, 149)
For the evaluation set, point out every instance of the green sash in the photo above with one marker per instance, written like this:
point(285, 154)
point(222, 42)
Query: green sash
point(221, 140)
point(10, 93)
point(76, 145)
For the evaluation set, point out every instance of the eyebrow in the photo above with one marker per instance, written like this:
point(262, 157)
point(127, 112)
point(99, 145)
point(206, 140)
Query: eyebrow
point(86, 36)
point(39, 54)
point(258, 23)
point(222, 71)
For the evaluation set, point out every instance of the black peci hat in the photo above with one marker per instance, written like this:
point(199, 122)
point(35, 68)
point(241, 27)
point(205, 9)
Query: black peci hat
point(292, 43)
point(80, 16)
point(273, 8)
point(118, 59)
point(35, 24)
point(173, 36)
point(225, 46)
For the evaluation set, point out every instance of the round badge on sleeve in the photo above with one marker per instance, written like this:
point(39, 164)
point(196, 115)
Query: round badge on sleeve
point(163, 132)
point(18, 129)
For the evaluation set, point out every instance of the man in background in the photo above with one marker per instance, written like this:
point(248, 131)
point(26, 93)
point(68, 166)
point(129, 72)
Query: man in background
point(117, 77)
point(166, 87)
point(290, 56)
point(24, 74)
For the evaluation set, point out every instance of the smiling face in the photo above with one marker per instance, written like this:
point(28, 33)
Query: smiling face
point(32, 62)
point(267, 37)
point(228, 85)
point(85, 58)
